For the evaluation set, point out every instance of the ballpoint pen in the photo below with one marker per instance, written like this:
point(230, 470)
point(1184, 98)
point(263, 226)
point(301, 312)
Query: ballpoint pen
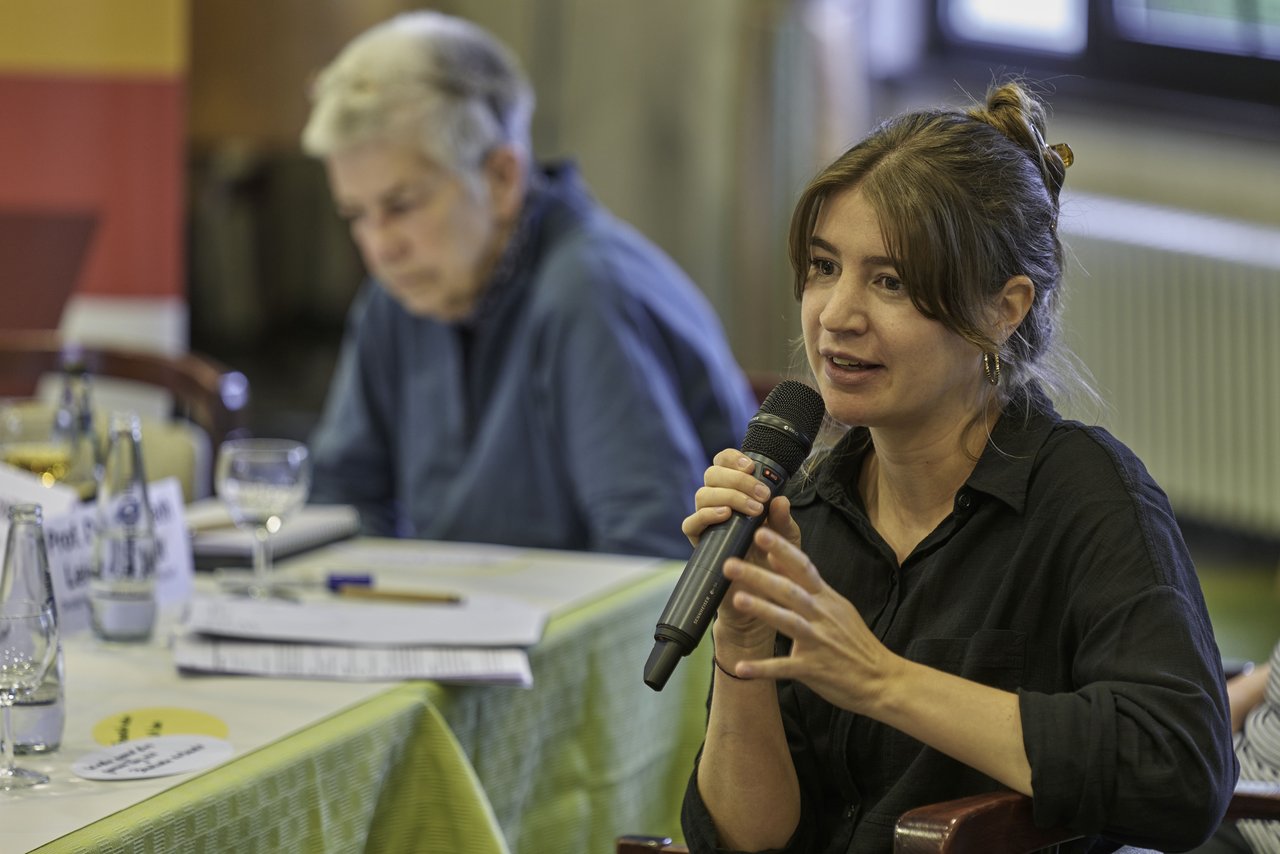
point(357, 591)
point(360, 586)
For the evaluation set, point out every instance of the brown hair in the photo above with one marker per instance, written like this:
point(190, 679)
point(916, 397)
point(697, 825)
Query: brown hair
point(967, 199)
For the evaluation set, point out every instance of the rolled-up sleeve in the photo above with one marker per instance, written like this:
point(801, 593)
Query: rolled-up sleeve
point(1139, 751)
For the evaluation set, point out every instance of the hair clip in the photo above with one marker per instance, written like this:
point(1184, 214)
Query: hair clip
point(1064, 151)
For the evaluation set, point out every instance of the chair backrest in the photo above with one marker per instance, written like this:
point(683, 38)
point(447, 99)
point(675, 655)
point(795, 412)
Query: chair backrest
point(205, 391)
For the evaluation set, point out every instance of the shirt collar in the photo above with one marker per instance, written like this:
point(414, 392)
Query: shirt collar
point(1003, 471)
point(546, 185)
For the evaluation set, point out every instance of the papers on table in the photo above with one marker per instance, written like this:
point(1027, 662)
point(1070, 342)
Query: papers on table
point(505, 595)
point(478, 639)
point(307, 660)
point(481, 620)
point(554, 580)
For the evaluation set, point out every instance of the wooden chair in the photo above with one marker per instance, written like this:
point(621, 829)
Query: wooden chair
point(205, 391)
point(993, 823)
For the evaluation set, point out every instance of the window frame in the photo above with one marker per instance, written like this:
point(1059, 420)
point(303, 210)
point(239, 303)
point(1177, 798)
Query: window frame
point(1115, 67)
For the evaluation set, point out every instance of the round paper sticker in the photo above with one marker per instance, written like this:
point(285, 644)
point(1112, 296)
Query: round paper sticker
point(152, 757)
point(157, 721)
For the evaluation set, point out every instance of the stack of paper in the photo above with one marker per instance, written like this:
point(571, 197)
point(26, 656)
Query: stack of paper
point(480, 639)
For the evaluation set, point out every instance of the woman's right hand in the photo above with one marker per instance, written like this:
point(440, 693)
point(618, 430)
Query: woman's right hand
point(729, 485)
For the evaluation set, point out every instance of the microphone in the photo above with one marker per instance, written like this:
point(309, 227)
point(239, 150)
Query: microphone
point(778, 439)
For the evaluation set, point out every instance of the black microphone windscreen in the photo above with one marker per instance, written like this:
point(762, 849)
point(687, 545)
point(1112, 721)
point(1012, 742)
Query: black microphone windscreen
point(786, 425)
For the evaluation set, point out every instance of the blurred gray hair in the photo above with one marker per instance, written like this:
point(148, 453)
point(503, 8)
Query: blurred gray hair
point(430, 79)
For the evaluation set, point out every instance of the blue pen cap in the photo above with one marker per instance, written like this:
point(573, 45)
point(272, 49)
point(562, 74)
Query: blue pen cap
point(337, 580)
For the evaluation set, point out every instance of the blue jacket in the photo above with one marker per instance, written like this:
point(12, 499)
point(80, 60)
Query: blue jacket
point(576, 409)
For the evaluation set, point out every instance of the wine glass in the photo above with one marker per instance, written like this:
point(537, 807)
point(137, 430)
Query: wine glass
point(28, 628)
point(262, 482)
point(30, 440)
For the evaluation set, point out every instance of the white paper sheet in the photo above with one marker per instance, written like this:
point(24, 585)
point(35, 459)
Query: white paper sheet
point(70, 540)
point(554, 580)
point(508, 593)
point(153, 757)
point(295, 660)
point(482, 620)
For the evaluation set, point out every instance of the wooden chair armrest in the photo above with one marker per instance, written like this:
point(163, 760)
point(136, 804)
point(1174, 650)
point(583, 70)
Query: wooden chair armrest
point(992, 823)
point(648, 845)
point(1255, 799)
point(1002, 822)
point(978, 824)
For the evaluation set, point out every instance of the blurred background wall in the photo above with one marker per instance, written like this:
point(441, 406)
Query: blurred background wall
point(700, 120)
point(697, 122)
point(92, 168)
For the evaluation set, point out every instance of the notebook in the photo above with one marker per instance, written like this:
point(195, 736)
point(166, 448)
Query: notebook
point(215, 541)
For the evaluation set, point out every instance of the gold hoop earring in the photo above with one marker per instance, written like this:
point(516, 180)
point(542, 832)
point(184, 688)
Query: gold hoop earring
point(992, 372)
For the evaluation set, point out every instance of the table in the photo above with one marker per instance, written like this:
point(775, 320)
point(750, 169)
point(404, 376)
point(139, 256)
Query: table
point(588, 753)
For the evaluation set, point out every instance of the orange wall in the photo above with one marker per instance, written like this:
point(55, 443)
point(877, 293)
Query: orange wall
point(92, 122)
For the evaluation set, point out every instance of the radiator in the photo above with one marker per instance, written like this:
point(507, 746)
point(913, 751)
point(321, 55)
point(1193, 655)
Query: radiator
point(1177, 315)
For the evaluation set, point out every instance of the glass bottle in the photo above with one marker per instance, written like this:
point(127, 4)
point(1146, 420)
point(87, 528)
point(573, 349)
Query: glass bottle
point(122, 598)
point(73, 425)
point(39, 717)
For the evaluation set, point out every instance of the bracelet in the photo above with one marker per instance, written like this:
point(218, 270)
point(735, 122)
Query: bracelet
point(720, 667)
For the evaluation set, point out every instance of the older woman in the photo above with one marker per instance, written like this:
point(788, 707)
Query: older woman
point(988, 595)
point(516, 342)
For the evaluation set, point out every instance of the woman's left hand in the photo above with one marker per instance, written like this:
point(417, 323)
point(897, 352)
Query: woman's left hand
point(832, 651)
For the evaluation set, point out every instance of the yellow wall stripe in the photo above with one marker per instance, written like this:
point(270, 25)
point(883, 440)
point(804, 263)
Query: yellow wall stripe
point(129, 37)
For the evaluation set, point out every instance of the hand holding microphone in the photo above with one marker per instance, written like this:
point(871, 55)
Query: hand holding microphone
point(778, 439)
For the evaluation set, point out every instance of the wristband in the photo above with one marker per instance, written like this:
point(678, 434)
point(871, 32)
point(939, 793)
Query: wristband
point(720, 667)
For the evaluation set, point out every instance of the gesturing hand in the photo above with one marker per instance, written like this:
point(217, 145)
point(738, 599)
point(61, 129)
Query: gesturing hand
point(832, 651)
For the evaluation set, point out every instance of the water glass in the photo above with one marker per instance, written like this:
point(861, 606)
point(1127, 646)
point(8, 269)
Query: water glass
point(262, 482)
point(28, 628)
point(122, 596)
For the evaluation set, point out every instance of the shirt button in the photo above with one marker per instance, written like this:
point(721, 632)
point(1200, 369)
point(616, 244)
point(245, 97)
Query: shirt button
point(964, 500)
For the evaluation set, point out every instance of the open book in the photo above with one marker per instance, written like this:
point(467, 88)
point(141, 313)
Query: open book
point(215, 540)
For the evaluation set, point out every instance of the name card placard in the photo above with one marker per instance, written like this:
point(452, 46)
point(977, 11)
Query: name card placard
point(69, 539)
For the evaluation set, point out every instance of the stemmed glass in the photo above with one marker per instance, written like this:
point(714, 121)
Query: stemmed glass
point(262, 482)
point(30, 440)
point(28, 628)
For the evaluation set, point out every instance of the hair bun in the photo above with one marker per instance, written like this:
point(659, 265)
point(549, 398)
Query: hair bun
point(1020, 116)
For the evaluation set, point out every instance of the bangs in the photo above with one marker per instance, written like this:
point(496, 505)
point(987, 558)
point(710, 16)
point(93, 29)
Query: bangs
point(927, 236)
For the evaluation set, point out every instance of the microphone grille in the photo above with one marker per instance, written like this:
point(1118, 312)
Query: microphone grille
point(784, 428)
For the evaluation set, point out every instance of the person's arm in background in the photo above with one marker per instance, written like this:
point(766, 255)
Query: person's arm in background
point(1245, 692)
point(351, 448)
point(618, 363)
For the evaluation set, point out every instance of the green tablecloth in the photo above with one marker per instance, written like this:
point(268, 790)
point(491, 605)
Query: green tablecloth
point(589, 753)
